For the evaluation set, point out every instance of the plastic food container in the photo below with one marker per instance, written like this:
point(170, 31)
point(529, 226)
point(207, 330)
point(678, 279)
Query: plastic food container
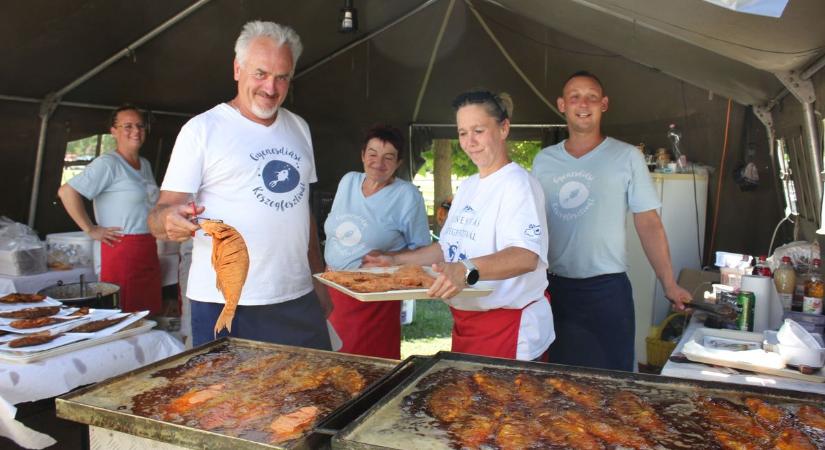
point(792, 334)
point(75, 249)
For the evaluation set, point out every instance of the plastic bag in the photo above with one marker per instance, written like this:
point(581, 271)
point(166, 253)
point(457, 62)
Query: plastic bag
point(21, 250)
point(17, 236)
point(802, 254)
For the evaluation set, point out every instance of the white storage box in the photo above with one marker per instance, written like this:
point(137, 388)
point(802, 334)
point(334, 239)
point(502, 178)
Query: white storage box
point(73, 249)
point(23, 262)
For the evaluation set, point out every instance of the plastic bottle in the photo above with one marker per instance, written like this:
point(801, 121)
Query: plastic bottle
point(785, 279)
point(814, 291)
point(761, 267)
point(802, 276)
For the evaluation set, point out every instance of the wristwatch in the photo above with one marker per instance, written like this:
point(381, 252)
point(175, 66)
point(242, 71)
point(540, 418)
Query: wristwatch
point(470, 272)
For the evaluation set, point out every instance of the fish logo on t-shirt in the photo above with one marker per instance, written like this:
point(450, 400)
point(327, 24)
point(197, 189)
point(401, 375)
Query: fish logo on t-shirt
point(280, 176)
point(574, 198)
point(348, 234)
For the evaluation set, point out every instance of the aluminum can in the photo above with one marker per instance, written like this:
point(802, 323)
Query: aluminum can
point(745, 301)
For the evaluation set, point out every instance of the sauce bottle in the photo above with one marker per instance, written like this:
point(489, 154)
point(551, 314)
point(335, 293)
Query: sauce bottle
point(785, 280)
point(814, 291)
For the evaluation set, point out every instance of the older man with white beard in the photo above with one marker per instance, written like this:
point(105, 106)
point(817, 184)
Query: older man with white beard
point(249, 162)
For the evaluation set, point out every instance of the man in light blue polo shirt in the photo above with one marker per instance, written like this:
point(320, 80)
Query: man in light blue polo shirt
point(590, 181)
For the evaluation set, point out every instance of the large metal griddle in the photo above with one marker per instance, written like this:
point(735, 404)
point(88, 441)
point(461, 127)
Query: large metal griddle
point(348, 437)
point(87, 405)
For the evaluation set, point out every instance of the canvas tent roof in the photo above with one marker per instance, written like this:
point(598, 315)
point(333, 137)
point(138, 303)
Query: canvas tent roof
point(185, 68)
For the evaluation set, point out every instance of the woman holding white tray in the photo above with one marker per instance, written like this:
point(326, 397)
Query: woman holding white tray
point(495, 237)
point(373, 210)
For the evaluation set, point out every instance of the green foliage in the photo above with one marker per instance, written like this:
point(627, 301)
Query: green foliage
point(521, 152)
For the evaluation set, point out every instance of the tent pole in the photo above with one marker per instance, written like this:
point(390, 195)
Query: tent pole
point(511, 61)
point(46, 109)
point(130, 49)
point(436, 46)
point(52, 100)
point(89, 105)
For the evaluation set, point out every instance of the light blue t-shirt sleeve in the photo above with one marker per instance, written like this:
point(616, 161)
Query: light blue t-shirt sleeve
point(641, 194)
point(415, 225)
point(97, 176)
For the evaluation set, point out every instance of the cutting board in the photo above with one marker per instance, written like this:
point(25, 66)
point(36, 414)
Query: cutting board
point(701, 333)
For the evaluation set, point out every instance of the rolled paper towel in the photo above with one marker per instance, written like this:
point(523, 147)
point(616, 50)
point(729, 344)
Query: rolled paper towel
point(762, 290)
point(777, 311)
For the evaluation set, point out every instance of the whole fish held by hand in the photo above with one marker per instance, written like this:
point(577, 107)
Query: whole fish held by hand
point(230, 259)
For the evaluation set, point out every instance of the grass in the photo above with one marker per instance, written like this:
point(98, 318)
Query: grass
point(430, 330)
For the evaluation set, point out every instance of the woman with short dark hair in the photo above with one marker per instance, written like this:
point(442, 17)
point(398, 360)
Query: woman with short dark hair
point(373, 210)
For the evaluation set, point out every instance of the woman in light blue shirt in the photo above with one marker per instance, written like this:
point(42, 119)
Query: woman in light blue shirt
point(373, 210)
point(123, 189)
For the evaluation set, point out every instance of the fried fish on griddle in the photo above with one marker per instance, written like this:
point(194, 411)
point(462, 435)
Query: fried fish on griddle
point(31, 313)
point(812, 417)
point(793, 439)
point(585, 396)
point(632, 410)
point(451, 401)
point(98, 325)
point(730, 421)
point(766, 413)
point(22, 298)
point(560, 431)
point(33, 339)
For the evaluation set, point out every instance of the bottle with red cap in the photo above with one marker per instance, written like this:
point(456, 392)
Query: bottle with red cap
point(762, 267)
point(814, 291)
point(785, 280)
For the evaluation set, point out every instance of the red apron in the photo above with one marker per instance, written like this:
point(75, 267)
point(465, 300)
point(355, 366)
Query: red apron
point(486, 333)
point(133, 265)
point(369, 329)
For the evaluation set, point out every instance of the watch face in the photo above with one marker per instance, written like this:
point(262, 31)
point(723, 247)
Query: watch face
point(472, 277)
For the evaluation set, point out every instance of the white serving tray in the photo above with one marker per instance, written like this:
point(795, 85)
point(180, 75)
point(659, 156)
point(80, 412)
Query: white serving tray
point(404, 294)
point(25, 358)
point(48, 301)
point(700, 335)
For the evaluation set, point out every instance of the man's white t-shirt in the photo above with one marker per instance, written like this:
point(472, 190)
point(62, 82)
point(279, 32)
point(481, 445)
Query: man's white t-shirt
point(255, 178)
point(504, 209)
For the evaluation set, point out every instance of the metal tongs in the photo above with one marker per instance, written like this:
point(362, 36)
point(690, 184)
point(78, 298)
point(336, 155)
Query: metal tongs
point(725, 311)
point(195, 218)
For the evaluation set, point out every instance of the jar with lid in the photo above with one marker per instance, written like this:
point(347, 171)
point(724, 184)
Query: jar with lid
point(784, 277)
point(814, 291)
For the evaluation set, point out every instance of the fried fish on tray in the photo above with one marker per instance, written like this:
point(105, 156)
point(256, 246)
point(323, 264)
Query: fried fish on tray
point(98, 325)
point(82, 311)
point(22, 298)
point(33, 339)
point(406, 277)
point(25, 324)
point(31, 313)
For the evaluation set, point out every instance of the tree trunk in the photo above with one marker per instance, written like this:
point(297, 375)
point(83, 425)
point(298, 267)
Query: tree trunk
point(442, 172)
